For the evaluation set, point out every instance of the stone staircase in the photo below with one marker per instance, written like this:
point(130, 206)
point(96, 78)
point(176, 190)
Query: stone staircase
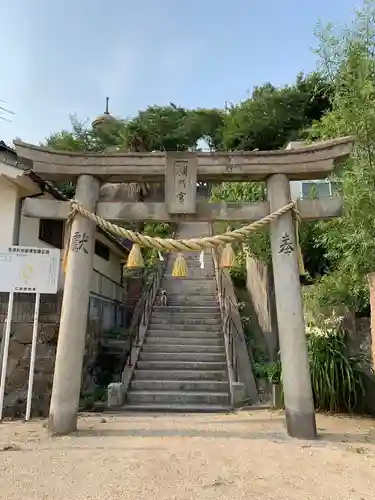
point(182, 364)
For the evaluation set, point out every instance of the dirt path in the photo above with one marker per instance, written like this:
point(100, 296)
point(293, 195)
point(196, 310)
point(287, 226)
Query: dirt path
point(145, 457)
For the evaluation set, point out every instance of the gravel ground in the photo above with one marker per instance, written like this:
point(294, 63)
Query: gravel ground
point(145, 457)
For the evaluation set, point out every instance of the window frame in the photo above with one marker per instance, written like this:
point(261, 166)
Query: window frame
point(58, 232)
point(107, 252)
point(316, 182)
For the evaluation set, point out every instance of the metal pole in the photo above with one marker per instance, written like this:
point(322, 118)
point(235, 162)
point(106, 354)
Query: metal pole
point(32, 357)
point(2, 343)
point(6, 350)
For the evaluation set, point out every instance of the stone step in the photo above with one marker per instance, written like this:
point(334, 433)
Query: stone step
point(182, 319)
point(178, 327)
point(180, 385)
point(192, 257)
point(189, 280)
point(182, 365)
point(178, 287)
point(178, 397)
point(192, 266)
point(213, 375)
point(204, 274)
point(208, 262)
point(204, 298)
point(190, 309)
point(188, 292)
point(170, 313)
point(208, 295)
point(185, 332)
point(178, 347)
point(185, 341)
point(182, 356)
point(175, 408)
point(194, 300)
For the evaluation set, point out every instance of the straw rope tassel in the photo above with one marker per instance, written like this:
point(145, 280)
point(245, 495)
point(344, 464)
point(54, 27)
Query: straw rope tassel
point(69, 223)
point(135, 259)
point(65, 257)
point(180, 269)
point(301, 266)
point(201, 259)
point(228, 257)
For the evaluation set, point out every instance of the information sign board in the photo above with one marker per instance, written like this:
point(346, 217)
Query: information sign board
point(29, 269)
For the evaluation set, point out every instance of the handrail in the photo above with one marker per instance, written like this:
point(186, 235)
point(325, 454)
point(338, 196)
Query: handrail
point(228, 325)
point(239, 364)
point(143, 309)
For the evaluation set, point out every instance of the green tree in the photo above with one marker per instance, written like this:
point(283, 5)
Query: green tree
point(273, 116)
point(84, 138)
point(173, 128)
point(268, 120)
point(347, 57)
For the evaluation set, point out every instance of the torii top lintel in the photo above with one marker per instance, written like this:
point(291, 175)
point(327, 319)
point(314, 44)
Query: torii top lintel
point(311, 162)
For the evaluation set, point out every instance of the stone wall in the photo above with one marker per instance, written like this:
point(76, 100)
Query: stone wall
point(19, 364)
point(24, 304)
point(359, 340)
point(259, 284)
point(101, 310)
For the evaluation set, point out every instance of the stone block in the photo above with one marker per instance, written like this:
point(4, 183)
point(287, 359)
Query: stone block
point(116, 395)
point(17, 380)
point(277, 396)
point(239, 394)
point(17, 351)
point(22, 332)
point(49, 333)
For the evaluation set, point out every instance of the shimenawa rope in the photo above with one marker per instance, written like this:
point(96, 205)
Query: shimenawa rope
point(182, 245)
point(193, 244)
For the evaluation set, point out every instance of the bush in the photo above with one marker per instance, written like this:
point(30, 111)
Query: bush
point(337, 378)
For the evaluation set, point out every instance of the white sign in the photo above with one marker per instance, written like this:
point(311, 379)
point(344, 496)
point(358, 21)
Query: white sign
point(29, 269)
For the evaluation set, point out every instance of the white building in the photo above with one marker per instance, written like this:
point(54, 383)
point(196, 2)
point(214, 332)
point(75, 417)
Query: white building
point(17, 183)
point(304, 190)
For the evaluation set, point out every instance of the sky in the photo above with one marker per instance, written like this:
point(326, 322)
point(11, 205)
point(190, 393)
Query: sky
point(64, 57)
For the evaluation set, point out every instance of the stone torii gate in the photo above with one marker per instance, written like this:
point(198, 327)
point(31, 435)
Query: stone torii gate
point(181, 171)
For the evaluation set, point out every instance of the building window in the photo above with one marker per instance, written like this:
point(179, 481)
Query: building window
point(52, 231)
point(319, 190)
point(101, 250)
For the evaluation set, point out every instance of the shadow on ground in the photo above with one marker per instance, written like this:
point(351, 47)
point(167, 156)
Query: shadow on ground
point(281, 436)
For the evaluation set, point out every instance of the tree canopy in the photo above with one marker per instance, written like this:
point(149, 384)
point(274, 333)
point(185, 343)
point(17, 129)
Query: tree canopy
point(347, 58)
point(337, 99)
point(272, 116)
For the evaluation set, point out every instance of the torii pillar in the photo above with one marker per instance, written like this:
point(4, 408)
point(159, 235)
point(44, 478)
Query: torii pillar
point(72, 334)
point(298, 396)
